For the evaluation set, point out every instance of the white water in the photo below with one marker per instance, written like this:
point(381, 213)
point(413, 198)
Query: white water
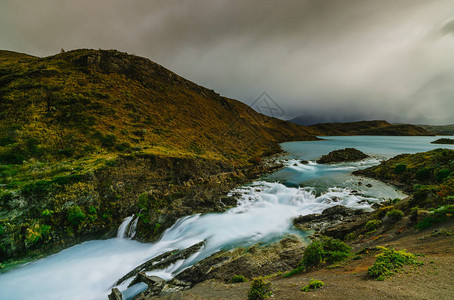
point(127, 229)
point(88, 270)
point(264, 213)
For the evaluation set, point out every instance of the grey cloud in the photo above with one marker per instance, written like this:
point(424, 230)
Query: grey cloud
point(448, 28)
point(383, 59)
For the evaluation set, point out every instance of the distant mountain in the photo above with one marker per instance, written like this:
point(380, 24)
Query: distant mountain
point(312, 119)
point(378, 127)
point(439, 129)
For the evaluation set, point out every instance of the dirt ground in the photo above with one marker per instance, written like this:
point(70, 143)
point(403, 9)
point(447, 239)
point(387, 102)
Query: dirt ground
point(433, 280)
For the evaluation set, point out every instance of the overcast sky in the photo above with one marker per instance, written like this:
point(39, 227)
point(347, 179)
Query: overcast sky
point(369, 58)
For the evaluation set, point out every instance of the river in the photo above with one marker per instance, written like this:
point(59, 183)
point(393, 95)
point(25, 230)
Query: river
point(264, 213)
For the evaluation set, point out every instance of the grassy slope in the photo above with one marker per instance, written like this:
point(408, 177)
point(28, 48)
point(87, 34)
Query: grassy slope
point(88, 137)
point(84, 102)
point(368, 128)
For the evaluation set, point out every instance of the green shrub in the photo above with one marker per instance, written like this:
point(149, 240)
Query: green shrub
point(47, 213)
point(36, 233)
point(399, 169)
point(327, 250)
point(92, 210)
point(313, 285)
point(313, 255)
point(260, 289)
point(372, 225)
point(437, 216)
point(335, 250)
point(442, 175)
point(295, 271)
point(76, 215)
point(390, 261)
point(423, 174)
point(395, 215)
point(238, 278)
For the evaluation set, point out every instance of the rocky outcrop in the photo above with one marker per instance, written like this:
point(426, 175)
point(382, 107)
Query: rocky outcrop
point(161, 261)
point(254, 261)
point(251, 262)
point(335, 221)
point(343, 155)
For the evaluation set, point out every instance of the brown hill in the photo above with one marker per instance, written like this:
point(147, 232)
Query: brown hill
point(89, 137)
point(87, 101)
point(368, 128)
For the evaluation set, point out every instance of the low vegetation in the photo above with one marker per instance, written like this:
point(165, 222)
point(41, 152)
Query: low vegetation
point(260, 289)
point(391, 261)
point(427, 176)
point(436, 216)
point(238, 278)
point(324, 251)
point(313, 285)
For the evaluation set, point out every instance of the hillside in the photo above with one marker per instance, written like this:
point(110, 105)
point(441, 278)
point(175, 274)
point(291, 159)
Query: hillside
point(83, 102)
point(88, 137)
point(439, 129)
point(368, 128)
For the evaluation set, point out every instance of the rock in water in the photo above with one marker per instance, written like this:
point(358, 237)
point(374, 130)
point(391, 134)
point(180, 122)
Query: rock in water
point(115, 295)
point(162, 261)
point(343, 155)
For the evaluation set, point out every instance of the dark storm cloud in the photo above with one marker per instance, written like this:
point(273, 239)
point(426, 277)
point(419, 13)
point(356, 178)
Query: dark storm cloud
point(378, 59)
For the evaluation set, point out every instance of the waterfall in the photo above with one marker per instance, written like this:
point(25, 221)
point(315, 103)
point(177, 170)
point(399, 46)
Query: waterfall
point(123, 230)
point(133, 228)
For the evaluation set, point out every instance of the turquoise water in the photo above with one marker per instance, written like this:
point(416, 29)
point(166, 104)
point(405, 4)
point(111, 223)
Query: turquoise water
point(379, 146)
point(264, 212)
point(322, 176)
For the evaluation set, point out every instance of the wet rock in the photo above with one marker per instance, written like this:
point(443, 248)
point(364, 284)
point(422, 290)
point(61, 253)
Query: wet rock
point(115, 295)
point(304, 162)
point(331, 218)
point(369, 185)
point(257, 260)
point(338, 210)
point(151, 281)
point(229, 201)
point(306, 218)
point(340, 230)
point(155, 284)
point(162, 261)
point(343, 155)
